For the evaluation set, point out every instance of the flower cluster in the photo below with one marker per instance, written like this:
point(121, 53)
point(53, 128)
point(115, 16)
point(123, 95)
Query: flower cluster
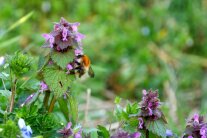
point(64, 36)
point(196, 127)
point(68, 131)
point(150, 105)
point(25, 130)
point(123, 134)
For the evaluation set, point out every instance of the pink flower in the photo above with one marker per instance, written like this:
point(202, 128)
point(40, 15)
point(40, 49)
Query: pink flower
point(49, 38)
point(43, 86)
point(141, 122)
point(78, 52)
point(144, 92)
point(196, 118)
point(79, 37)
point(67, 131)
point(64, 34)
point(78, 134)
point(203, 132)
point(74, 27)
point(69, 67)
point(135, 135)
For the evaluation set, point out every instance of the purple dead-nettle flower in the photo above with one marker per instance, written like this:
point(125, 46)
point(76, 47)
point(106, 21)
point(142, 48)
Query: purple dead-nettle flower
point(67, 131)
point(79, 37)
point(78, 52)
point(74, 27)
point(50, 62)
point(43, 86)
point(49, 39)
point(203, 132)
point(150, 105)
point(196, 118)
point(25, 130)
point(120, 134)
point(63, 36)
point(135, 135)
point(141, 123)
point(196, 127)
point(78, 134)
point(69, 68)
point(123, 134)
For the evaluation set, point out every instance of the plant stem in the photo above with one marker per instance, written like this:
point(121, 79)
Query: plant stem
point(3, 84)
point(13, 90)
point(52, 103)
point(46, 99)
point(147, 133)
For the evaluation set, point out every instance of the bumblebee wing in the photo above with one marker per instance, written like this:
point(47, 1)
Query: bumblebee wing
point(91, 72)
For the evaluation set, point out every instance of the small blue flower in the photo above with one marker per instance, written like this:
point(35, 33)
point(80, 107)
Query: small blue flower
point(26, 130)
point(2, 61)
point(169, 133)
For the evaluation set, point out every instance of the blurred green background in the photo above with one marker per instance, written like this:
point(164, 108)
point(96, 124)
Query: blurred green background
point(133, 45)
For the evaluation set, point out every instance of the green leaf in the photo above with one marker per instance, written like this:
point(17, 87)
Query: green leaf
point(157, 127)
point(43, 60)
point(152, 135)
point(62, 59)
point(93, 135)
point(64, 107)
point(20, 63)
point(132, 108)
point(5, 93)
point(4, 98)
point(92, 132)
point(33, 99)
point(9, 130)
point(57, 80)
point(103, 132)
point(73, 108)
point(117, 100)
point(4, 76)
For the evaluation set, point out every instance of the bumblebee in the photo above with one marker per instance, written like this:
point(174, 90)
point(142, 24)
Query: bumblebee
point(83, 66)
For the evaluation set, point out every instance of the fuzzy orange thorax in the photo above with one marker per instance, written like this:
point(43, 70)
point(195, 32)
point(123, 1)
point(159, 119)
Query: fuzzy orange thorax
point(86, 61)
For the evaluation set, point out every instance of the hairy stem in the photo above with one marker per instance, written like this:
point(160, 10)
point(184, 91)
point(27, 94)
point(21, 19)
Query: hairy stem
point(52, 104)
point(46, 99)
point(13, 90)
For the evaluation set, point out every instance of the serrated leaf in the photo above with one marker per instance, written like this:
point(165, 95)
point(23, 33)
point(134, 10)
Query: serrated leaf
point(132, 108)
point(62, 59)
point(73, 108)
point(57, 80)
point(157, 127)
point(103, 132)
